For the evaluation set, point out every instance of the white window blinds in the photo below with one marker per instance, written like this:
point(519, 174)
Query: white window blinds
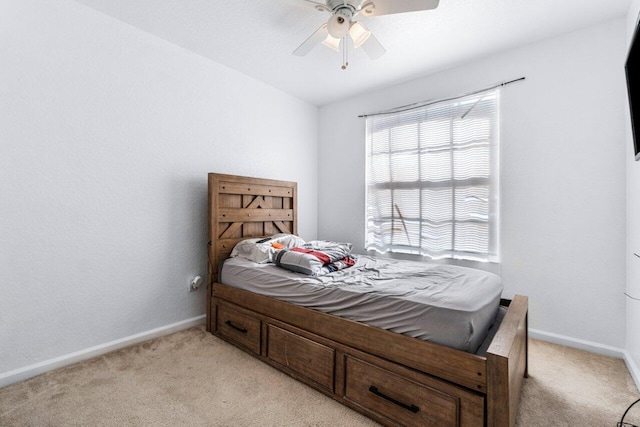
point(432, 179)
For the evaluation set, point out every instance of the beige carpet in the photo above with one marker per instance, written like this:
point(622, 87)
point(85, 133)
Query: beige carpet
point(192, 378)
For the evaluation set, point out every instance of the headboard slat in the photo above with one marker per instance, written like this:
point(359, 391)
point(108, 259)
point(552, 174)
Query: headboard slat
point(227, 187)
point(231, 230)
point(282, 227)
point(254, 215)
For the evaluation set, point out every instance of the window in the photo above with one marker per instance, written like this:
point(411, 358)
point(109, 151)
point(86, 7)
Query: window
point(432, 179)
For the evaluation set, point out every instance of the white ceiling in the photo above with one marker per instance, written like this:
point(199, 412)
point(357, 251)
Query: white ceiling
point(256, 37)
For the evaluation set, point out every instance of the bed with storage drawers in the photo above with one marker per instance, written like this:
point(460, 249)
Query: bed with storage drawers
point(379, 370)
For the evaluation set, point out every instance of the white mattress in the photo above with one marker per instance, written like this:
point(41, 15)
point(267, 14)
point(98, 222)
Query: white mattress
point(449, 305)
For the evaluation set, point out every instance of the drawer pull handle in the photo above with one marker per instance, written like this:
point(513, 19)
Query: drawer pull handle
point(412, 408)
point(228, 323)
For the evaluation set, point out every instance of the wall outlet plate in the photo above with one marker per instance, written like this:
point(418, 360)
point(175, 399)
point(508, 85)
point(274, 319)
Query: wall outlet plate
point(195, 283)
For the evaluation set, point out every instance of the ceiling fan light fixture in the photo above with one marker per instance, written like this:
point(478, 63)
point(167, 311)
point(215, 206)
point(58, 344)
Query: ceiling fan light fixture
point(338, 26)
point(332, 43)
point(367, 8)
point(359, 33)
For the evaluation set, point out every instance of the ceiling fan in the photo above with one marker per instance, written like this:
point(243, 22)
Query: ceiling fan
point(333, 33)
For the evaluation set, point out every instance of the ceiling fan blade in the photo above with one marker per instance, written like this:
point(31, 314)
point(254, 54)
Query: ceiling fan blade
point(318, 37)
point(388, 7)
point(318, 5)
point(373, 48)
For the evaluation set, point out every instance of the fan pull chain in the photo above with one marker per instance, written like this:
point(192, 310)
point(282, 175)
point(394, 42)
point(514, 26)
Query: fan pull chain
point(345, 53)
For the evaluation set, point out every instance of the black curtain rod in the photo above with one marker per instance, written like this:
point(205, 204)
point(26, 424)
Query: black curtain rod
point(425, 103)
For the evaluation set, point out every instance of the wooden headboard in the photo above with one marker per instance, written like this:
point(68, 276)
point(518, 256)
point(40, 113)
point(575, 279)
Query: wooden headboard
point(242, 207)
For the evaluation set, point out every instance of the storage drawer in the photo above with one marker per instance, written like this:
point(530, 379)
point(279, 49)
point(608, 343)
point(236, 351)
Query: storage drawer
point(239, 328)
point(306, 357)
point(398, 399)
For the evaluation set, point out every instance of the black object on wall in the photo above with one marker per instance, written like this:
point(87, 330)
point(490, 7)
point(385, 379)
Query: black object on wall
point(632, 70)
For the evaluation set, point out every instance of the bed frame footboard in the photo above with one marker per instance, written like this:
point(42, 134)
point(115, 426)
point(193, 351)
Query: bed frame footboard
point(507, 365)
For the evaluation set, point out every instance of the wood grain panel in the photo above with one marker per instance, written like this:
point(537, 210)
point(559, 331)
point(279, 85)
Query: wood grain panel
point(255, 215)
point(240, 328)
point(507, 365)
point(457, 366)
point(471, 404)
point(399, 399)
point(226, 245)
point(283, 227)
point(233, 187)
point(231, 230)
point(242, 196)
point(269, 228)
point(304, 356)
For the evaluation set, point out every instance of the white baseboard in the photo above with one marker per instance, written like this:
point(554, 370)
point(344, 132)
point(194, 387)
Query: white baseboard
point(591, 346)
point(633, 368)
point(30, 371)
point(22, 374)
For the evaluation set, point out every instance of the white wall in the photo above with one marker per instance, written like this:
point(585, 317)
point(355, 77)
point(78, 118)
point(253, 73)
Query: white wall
point(106, 136)
point(562, 182)
point(633, 228)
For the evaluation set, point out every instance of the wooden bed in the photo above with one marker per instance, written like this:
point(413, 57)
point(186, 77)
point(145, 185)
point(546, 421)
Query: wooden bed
point(389, 377)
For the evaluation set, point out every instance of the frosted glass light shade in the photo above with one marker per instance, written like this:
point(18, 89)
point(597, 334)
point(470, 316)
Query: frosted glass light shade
point(332, 43)
point(359, 34)
point(338, 26)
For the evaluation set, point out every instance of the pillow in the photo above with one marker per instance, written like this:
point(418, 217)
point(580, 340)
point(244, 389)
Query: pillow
point(316, 258)
point(288, 240)
point(263, 252)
